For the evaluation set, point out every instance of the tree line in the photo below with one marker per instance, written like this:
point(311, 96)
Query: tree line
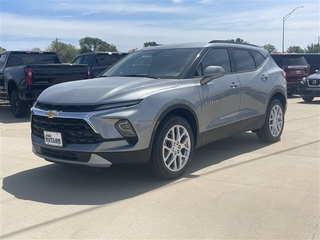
point(67, 52)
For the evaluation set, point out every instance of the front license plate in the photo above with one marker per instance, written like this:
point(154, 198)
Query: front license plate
point(53, 138)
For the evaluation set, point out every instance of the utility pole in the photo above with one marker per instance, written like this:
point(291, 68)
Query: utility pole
point(57, 44)
point(283, 20)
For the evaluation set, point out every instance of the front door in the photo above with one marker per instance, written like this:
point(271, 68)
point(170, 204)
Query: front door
point(220, 98)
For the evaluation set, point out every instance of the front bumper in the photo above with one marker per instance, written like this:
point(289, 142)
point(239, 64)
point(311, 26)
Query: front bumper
point(89, 158)
point(309, 91)
point(99, 144)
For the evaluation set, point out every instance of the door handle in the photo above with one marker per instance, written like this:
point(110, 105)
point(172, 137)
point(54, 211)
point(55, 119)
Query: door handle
point(234, 85)
point(263, 77)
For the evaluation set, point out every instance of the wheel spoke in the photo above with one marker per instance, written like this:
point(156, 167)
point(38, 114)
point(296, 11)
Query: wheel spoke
point(176, 148)
point(275, 121)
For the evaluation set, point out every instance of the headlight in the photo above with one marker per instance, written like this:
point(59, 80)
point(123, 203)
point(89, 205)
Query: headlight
point(303, 81)
point(119, 104)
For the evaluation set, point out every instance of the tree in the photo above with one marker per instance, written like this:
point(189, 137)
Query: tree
point(36, 49)
point(270, 48)
point(295, 49)
point(66, 52)
point(133, 50)
point(239, 40)
point(147, 44)
point(312, 48)
point(106, 47)
point(89, 44)
point(2, 49)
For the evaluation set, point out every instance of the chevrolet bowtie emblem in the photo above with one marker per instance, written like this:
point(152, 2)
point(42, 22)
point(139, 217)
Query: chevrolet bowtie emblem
point(52, 114)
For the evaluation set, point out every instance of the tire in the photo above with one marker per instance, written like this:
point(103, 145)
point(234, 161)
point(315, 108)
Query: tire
point(19, 108)
point(308, 99)
point(172, 149)
point(272, 129)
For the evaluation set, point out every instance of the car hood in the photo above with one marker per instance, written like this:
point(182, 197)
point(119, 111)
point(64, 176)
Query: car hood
point(314, 76)
point(104, 90)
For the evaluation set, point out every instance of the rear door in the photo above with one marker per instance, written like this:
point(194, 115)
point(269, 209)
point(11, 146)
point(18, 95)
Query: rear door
point(255, 82)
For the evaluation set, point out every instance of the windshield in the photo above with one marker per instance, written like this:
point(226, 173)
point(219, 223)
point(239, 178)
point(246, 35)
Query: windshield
point(156, 63)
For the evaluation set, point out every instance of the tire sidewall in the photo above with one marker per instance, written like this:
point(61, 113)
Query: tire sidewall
point(274, 103)
point(19, 108)
point(157, 157)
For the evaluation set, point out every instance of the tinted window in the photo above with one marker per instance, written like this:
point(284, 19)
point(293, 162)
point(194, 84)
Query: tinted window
point(106, 60)
point(2, 60)
point(244, 60)
point(294, 60)
point(87, 59)
point(259, 59)
point(17, 59)
point(313, 59)
point(289, 60)
point(217, 57)
point(77, 60)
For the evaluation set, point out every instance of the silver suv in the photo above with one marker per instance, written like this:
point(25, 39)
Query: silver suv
point(158, 104)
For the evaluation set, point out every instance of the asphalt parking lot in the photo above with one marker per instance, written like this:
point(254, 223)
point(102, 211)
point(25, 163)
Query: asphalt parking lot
point(237, 188)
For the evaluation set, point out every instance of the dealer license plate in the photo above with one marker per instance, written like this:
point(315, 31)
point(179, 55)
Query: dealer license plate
point(53, 138)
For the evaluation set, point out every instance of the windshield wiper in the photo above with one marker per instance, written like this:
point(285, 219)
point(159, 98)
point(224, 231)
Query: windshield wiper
point(138, 75)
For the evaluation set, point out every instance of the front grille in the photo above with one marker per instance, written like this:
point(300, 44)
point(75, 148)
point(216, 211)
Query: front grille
point(72, 130)
point(58, 154)
point(67, 108)
point(63, 154)
point(314, 82)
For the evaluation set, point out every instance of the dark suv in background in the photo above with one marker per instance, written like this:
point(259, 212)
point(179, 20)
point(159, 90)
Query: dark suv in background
point(313, 60)
point(158, 104)
point(310, 87)
point(296, 68)
point(98, 61)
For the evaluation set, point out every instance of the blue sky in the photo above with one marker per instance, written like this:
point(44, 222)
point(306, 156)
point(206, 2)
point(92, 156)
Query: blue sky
point(128, 24)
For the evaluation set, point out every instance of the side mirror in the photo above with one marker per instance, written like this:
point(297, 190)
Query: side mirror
point(212, 72)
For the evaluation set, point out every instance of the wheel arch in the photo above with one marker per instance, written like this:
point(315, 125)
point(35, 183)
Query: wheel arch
point(183, 111)
point(10, 87)
point(281, 97)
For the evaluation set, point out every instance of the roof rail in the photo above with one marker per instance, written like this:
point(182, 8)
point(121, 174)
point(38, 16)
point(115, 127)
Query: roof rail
point(229, 41)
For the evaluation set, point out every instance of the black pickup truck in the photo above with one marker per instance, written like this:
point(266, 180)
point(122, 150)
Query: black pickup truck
point(98, 61)
point(24, 75)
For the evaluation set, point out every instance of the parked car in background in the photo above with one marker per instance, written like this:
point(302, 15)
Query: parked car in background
point(98, 61)
point(25, 74)
point(158, 104)
point(295, 66)
point(313, 60)
point(310, 87)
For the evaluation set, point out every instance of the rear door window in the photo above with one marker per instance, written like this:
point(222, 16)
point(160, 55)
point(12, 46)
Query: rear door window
point(87, 59)
point(259, 59)
point(244, 60)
